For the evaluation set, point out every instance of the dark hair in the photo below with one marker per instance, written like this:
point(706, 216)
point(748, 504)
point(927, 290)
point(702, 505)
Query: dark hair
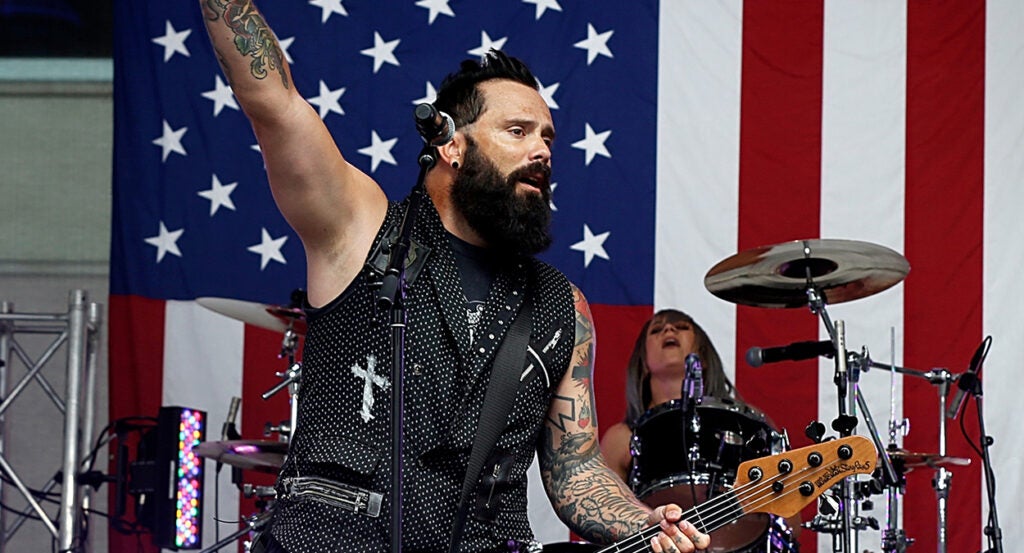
point(638, 379)
point(459, 96)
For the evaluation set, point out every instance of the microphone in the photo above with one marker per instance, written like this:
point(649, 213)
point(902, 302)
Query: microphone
point(228, 431)
point(967, 381)
point(436, 127)
point(695, 371)
point(793, 352)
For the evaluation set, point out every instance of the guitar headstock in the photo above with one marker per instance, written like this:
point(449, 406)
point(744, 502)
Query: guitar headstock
point(785, 483)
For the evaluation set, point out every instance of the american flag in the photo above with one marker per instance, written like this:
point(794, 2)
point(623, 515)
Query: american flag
point(688, 130)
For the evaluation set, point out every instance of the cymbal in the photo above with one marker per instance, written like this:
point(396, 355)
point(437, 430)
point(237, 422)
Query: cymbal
point(273, 317)
point(777, 275)
point(259, 455)
point(911, 460)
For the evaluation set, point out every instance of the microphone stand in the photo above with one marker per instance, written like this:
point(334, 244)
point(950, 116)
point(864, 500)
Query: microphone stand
point(391, 296)
point(970, 383)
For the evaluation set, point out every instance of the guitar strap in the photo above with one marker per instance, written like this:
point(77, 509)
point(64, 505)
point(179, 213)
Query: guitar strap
point(498, 400)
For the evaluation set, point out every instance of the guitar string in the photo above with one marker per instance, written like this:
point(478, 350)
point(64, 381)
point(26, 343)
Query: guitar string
point(640, 541)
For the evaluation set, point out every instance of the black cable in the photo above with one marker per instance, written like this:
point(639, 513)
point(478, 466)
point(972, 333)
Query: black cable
point(37, 494)
point(30, 515)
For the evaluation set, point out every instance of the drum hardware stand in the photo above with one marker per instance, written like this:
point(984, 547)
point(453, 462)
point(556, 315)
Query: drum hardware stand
point(283, 430)
point(846, 422)
point(849, 365)
point(941, 378)
point(894, 538)
point(290, 379)
point(691, 395)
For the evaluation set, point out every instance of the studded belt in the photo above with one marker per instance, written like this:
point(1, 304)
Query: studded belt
point(338, 494)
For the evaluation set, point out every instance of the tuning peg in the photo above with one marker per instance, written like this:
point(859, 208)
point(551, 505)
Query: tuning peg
point(844, 424)
point(815, 431)
point(828, 505)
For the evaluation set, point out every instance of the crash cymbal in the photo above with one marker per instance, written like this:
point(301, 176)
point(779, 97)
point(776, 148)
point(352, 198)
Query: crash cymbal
point(911, 460)
point(777, 276)
point(273, 317)
point(259, 455)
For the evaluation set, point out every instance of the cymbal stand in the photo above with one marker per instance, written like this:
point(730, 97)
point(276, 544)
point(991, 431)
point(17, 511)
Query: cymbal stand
point(890, 478)
point(894, 538)
point(289, 378)
point(844, 540)
point(849, 365)
point(941, 378)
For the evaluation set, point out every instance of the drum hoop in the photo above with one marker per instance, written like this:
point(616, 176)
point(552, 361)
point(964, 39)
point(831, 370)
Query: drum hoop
point(707, 403)
point(679, 479)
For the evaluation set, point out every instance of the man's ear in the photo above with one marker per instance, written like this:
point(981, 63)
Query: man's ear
point(451, 153)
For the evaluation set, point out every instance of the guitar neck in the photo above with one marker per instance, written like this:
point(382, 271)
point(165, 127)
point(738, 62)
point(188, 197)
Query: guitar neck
point(780, 485)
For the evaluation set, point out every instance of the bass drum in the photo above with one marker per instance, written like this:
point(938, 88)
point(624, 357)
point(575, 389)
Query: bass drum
point(778, 538)
point(685, 460)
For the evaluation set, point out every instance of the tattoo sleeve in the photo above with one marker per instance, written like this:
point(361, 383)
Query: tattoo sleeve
point(251, 36)
point(587, 494)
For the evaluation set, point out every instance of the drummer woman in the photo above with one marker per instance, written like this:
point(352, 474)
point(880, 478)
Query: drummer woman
point(655, 375)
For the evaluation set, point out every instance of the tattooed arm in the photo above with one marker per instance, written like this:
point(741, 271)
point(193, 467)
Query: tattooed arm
point(586, 494)
point(335, 208)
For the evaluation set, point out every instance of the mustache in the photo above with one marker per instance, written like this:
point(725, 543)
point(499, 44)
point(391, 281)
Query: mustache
point(537, 172)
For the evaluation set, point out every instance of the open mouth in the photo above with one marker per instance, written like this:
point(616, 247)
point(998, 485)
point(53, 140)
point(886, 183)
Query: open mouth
point(670, 342)
point(536, 176)
point(538, 182)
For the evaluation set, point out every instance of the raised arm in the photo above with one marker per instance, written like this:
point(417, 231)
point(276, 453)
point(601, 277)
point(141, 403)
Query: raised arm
point(334, 207)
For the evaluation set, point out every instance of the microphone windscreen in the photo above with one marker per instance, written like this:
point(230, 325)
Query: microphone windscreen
point(754, 358)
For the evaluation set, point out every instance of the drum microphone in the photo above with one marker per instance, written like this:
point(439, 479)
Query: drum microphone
point(967, 381)
point(228, 431)
point(693, 383)
point(436, 127)
point(793, 352)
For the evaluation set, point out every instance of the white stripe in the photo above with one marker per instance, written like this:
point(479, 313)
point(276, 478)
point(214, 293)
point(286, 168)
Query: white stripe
point(546, 526)
point(1003, 318)
point(203, 370)
point(699, 64)
point(862, 198)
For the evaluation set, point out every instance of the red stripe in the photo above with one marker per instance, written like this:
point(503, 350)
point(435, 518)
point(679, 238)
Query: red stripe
point(944, 227)
point(779, 192)
point(136, 345)
point(260, 365)
point(616, 328)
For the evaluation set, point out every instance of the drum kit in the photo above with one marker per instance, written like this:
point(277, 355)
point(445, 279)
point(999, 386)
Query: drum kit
point(688, 454)
point(264, 456)
point(718, 434)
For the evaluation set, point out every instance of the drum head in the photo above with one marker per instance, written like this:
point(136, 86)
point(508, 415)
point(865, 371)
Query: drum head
point(678, 461)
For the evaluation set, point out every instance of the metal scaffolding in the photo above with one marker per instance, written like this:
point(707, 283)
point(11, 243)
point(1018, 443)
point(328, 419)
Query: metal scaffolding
point(79, 330)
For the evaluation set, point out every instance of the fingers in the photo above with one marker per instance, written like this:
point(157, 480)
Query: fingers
point(681, 537)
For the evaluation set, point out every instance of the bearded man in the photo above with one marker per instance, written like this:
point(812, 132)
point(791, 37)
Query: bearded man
point(471, 277)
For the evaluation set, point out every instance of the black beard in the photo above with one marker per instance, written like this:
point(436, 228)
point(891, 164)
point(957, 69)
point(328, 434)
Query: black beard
point(489, 202)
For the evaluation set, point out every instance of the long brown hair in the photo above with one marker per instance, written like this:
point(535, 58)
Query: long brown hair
point(638, 378)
